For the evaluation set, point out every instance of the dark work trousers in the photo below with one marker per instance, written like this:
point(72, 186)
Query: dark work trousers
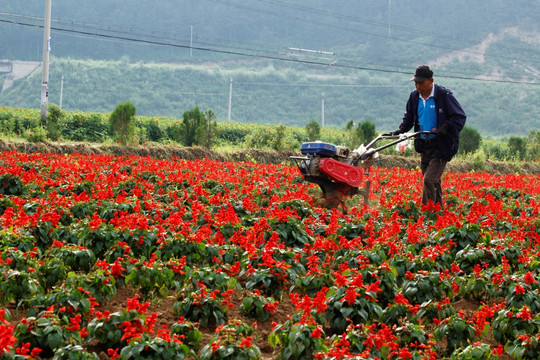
point(432, 169)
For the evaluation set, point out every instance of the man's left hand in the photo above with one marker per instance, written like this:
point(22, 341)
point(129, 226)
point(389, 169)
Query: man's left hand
point(442, 130)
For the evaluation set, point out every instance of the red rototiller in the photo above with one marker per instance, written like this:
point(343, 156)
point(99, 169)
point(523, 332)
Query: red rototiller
point(338, 171)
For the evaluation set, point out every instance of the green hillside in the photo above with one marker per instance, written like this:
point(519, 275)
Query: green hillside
point(169, 56)
point(267, 94)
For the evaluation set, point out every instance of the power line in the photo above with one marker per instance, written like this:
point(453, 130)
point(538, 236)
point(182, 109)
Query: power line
point(168, 35)
point(241, 6)
point(422, 32)
point(322, 85)
point(275, 57)
point(173, 36)
point(36, 21)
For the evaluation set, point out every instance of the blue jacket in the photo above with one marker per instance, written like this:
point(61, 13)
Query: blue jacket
point(449, 113)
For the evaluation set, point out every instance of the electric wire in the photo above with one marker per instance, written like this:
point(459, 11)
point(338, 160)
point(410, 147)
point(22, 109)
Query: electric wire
point(262, 56)
point(241, 6)
point(168, 36)
point(422, 32)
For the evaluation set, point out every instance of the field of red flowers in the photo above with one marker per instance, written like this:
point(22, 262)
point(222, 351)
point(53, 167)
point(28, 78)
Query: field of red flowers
point(126, 257)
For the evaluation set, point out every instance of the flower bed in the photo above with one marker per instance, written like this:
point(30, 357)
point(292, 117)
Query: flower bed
point(223, 260)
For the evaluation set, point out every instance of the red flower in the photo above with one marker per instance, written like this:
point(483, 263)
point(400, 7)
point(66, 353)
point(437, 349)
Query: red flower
point(316, 333)
point(498, 350)
point(35, 352)
point(95, 222)
point(246, 342)
point(74, 323)
point(350, 295)
point(6, 333)
point(401, 299)
point(113, 353)
point(525, 313)
point(403, 353)
point(374, 287)
point(529, 278)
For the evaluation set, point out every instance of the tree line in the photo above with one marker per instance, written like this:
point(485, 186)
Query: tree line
point(200, 128)
point(263, 94)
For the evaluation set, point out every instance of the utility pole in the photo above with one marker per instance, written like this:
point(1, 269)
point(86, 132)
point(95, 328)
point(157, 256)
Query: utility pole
point(322, 111)
point(45, 66)
point(61, 91)
point(191, 42)
point(230, 101)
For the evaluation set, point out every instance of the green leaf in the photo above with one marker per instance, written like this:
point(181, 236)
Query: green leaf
point(460, 326)
point(273, 340)
point(54, 340)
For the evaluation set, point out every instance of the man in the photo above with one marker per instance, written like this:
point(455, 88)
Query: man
point(432, 107)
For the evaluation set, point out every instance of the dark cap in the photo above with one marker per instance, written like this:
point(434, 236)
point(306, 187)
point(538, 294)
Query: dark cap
point(422, 73)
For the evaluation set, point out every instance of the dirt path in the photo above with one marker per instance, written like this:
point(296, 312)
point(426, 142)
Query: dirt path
point(260, 156)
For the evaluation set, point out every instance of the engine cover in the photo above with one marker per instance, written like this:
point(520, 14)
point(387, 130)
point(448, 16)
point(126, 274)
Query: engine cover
point(341, 172)
point(323, 149)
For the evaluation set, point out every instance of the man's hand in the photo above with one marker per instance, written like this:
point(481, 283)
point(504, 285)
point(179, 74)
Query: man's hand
point(442, 130)
point(398, 132)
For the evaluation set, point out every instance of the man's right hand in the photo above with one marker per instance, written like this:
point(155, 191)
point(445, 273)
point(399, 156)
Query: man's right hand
point(398, 132)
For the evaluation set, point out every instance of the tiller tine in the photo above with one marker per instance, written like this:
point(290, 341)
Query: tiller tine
point(334, 192)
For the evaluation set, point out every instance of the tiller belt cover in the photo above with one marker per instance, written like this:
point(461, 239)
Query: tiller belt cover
point(341, 172)
point(338, 171)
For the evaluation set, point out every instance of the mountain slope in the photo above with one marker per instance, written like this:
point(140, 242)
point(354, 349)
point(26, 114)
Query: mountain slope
point(169, 56)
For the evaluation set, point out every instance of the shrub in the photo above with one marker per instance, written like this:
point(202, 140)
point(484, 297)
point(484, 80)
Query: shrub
point(121, 123)
point(9, 124)
point(518, 147)
point(154, 131)
point(363, 133)
point(277, 143)
point(193, 127)
point(479, 160)
point(174, 132)
point(367, 130)
point(29, 123)
point(81, 127)
point(533, 145)
point(36, 134)
point(313, 130)
point(495, 150)
point(231, 135)
point(54, 116)
point(259, 139)
point(469, 140)
point(207, 135)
